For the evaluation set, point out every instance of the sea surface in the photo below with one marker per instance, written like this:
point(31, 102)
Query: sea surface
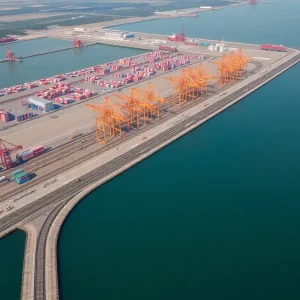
point(274, 23)
point(11, 266)
point(34, 46)
point(33, 68)
point(214, 215)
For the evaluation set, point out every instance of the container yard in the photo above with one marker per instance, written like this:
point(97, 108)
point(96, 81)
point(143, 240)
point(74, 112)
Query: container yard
point(98, 79)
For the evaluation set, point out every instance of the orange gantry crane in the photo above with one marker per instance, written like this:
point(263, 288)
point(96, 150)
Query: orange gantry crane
point(6, 149)
point(132, 110)
point(109, 120)
point(231, 67)
point(140, 106)
point(189, 85)
point(148, 99)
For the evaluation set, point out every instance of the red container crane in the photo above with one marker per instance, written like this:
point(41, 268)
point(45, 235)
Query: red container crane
point(178, 38)
point(6, 149)
point(10, 55)
point(77, 43)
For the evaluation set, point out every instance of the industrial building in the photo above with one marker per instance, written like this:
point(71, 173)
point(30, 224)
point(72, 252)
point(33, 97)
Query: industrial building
point(41, 104)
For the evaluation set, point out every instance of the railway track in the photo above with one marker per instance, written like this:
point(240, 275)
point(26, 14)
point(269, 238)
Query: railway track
point(88, 140)
point(39, 291)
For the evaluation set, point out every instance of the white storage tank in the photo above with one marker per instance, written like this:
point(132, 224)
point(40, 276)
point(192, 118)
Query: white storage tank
point(41, 104)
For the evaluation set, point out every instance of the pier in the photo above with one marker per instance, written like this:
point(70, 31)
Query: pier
point(45, 52)
point(58, 199)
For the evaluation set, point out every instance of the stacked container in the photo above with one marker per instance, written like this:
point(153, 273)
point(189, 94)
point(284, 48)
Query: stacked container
point(30, 85)
point(25, 155)
point(57, 78)
point(43, 81)
point(80, 93)
point(92, 79)
point(38, 150)
point(105, 71)
point(4, 116)
point(14, 89)
point(20, 176)
point(24, 117)
point(55, 91)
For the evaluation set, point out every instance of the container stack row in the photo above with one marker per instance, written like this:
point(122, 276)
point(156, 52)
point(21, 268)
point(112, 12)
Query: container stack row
point(4, 116)
point(80, 94)
point(30, 85)
point(12, 90)
point(19, 176)
point(30, 153)
point(151, 57)
point(55, 91)
point(24, 117)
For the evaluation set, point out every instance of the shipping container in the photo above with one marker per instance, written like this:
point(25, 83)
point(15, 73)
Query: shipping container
point(22, 180)
point(15, 173)
point(26, 155)
point(38, 150)
point(3, 178)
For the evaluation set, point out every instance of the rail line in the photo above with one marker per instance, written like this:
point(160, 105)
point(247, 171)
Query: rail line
point(39, 277)
point(69, 190)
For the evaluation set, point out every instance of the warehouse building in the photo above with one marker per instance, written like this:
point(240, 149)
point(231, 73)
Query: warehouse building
point(41, 104)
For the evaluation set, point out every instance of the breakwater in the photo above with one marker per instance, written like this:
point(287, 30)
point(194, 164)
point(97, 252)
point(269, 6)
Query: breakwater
point(47, 52)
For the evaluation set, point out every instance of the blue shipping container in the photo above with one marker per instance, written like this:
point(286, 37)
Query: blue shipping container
point(23, 180)
point(14, 174)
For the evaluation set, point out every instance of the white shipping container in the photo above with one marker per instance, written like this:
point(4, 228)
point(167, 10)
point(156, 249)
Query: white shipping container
point(3, 178)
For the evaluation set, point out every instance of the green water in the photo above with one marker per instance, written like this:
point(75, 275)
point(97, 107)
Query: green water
point(214, 215)
point(11, 254)
point(33, 68)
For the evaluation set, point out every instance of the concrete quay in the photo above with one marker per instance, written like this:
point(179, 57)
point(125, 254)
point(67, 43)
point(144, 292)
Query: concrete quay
point(27, 290)
point(136, 150)
point(51, 245)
